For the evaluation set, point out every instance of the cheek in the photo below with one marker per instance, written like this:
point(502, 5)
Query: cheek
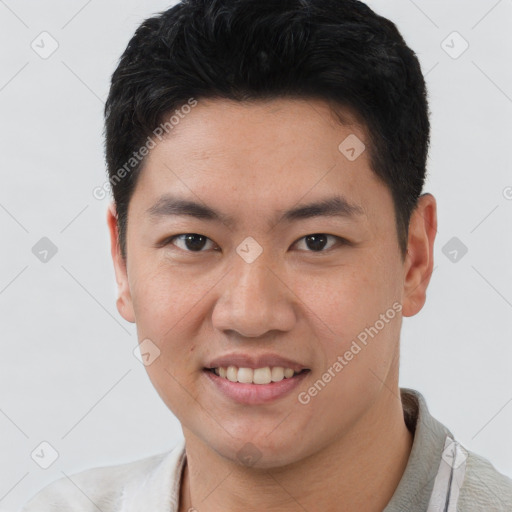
point(359, 310)
point(162, 297)
point(346, 300)
point(166, 305)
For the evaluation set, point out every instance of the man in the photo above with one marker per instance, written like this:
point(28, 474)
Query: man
point(269, 233)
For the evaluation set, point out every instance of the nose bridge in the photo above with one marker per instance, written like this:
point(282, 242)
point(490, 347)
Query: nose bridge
point(253, 299)
point(255, 282)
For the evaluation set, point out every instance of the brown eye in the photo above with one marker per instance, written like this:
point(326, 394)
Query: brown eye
point(317, 242)
point(190, 242)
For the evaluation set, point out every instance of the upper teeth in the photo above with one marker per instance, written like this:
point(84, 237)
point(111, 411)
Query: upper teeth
point(264, 375)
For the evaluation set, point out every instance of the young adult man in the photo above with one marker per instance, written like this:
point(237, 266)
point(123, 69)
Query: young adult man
point(269, 233)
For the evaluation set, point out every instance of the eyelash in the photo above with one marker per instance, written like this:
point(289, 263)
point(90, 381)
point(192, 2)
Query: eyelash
point(340, 241)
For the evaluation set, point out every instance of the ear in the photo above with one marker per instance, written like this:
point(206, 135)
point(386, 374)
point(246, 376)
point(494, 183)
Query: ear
point(124, 299)
point(419, 260)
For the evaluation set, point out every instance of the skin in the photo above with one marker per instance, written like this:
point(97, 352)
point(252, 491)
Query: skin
point(348, 447)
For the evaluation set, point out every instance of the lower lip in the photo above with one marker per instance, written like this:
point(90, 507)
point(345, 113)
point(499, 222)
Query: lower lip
point(255, 394)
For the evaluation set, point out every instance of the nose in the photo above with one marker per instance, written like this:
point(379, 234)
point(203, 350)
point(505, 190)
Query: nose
point(254, 299)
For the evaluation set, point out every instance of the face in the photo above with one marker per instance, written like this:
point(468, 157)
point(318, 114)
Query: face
point(252, 278)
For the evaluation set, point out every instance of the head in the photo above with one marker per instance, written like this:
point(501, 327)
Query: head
point(300, 131)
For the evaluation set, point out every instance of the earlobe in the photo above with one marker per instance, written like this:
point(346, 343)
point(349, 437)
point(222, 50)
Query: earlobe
point(419, 260)
point(124, 301)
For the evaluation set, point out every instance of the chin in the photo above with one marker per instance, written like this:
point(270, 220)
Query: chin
point(260, 452)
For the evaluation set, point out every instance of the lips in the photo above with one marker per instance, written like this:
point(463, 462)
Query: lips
point(255, 379)
point(254, 394)
point(255, 362)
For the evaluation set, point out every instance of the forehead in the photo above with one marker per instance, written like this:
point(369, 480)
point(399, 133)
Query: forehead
point(221, 125)
point(262, 154)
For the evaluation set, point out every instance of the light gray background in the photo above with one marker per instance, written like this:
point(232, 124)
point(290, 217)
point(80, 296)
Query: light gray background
point(68, 375)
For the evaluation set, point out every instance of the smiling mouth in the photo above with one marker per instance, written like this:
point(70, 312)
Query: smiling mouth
point(264, 375)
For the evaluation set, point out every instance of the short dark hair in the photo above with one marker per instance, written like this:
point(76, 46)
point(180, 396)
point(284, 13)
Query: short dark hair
point(339, 51)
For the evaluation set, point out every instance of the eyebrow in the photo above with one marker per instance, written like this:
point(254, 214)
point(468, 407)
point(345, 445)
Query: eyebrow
point(335, 206)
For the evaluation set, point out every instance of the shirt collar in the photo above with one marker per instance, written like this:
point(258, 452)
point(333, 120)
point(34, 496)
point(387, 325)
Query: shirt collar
point(160, 490)
point(415, 487)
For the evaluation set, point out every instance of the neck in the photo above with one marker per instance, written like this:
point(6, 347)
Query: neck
point(358, 471)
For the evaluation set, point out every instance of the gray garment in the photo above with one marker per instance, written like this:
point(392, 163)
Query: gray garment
point(441, 476)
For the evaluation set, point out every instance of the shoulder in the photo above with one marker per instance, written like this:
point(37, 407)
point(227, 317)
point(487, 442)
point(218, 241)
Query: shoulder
point(105, 488)
point(484, 488)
